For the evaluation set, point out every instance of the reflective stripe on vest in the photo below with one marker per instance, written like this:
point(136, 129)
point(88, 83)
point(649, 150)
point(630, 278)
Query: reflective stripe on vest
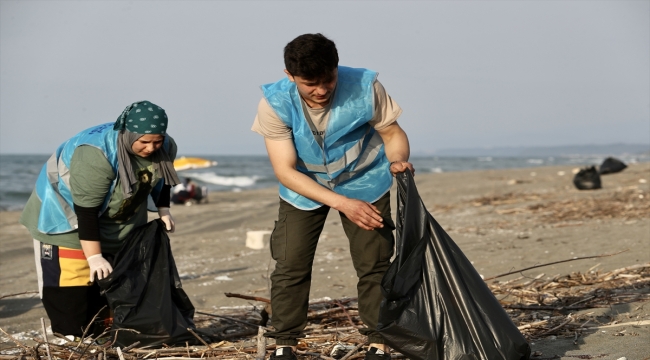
point(363, 160)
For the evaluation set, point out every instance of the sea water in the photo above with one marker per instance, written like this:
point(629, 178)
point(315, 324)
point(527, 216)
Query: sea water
point(243, 172)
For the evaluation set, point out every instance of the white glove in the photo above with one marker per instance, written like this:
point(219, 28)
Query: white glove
point(99, 266)
point(167, 218)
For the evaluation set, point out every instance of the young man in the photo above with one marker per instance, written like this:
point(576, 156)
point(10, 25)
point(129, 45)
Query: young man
point(334, 142)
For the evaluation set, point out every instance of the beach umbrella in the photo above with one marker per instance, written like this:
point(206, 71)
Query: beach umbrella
point(185, 163)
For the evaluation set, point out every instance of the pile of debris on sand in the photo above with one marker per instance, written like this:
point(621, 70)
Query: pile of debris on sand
point(540, 307)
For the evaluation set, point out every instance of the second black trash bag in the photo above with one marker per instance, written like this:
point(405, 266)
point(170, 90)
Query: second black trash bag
point(145, 293)
point(611, 165)
point(436, 306)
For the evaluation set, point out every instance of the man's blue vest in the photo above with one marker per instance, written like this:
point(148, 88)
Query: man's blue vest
point(53, 184)
point(351, 161)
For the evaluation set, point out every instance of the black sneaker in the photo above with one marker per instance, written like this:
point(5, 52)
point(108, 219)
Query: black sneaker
point(283, 353)
point(375, 354)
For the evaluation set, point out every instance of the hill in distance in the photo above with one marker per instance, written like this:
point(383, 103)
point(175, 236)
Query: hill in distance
point(542, 151)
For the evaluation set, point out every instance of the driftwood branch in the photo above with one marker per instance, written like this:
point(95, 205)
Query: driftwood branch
point(47, 343)
point(351, 352)
point(14, 339)
point(570, 319)
point(246, 297)
point(231, 319)
point(17, 294)
point(553, 263)
point(85, 332)
point(198, 338)
point(261, 344)
point(346, 313)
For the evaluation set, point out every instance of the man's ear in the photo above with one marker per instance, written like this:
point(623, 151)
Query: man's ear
point(289, 75)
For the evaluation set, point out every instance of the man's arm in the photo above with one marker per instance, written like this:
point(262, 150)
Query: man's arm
point(396, 146)
point(282, 155)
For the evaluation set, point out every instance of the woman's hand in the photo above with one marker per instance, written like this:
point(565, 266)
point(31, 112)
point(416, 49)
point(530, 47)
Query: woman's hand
point(99, 266)
point(166, 217)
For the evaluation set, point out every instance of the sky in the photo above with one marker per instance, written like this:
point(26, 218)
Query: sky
point(467, 73)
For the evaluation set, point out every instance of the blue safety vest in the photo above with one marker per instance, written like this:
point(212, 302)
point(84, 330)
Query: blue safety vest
point(57, 214)
point(351, 161)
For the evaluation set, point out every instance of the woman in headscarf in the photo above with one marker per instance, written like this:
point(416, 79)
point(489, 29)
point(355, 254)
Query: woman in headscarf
point(88, 197)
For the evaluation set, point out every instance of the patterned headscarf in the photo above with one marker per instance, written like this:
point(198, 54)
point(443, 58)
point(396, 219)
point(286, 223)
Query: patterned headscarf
point(142, 117)
point(139, 119)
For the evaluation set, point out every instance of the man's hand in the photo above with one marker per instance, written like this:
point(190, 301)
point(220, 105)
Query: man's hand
point(167, 218)
point(401, 166)
point(364, 214)
point(99, 266)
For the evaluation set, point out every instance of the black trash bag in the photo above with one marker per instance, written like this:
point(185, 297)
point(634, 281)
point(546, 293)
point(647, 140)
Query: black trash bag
point(436, 306)
point(611, 165)
point(145, 292)
point(587, 178)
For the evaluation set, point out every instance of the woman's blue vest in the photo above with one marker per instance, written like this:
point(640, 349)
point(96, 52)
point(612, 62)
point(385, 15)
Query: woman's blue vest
point(57, 214)
point(351, 161)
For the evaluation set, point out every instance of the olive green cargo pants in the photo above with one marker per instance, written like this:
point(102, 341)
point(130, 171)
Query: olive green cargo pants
point(293, 245)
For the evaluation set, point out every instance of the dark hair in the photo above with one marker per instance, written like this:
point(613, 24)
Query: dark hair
point(311, 56)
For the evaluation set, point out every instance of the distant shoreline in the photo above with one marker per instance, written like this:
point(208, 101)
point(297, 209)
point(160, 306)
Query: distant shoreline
point(567, 168)
point(613, 149)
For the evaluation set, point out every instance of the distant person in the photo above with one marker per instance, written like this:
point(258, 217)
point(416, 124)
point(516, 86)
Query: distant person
point(332, 137)
point(188, 192)
point(180, 193)
point(89, 196)
point(199, 193)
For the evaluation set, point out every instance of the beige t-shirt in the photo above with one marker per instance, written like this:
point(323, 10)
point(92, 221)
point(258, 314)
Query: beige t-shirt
point(269, 125)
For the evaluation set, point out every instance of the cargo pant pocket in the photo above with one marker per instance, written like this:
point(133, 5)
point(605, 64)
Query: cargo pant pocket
point(386, 238)
point(279, 240)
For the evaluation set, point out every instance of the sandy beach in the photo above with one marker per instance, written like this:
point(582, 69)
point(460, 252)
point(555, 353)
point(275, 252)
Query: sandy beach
point(503, 220)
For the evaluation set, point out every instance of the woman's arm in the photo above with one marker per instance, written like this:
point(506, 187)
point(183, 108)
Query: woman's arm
point(91, 177)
